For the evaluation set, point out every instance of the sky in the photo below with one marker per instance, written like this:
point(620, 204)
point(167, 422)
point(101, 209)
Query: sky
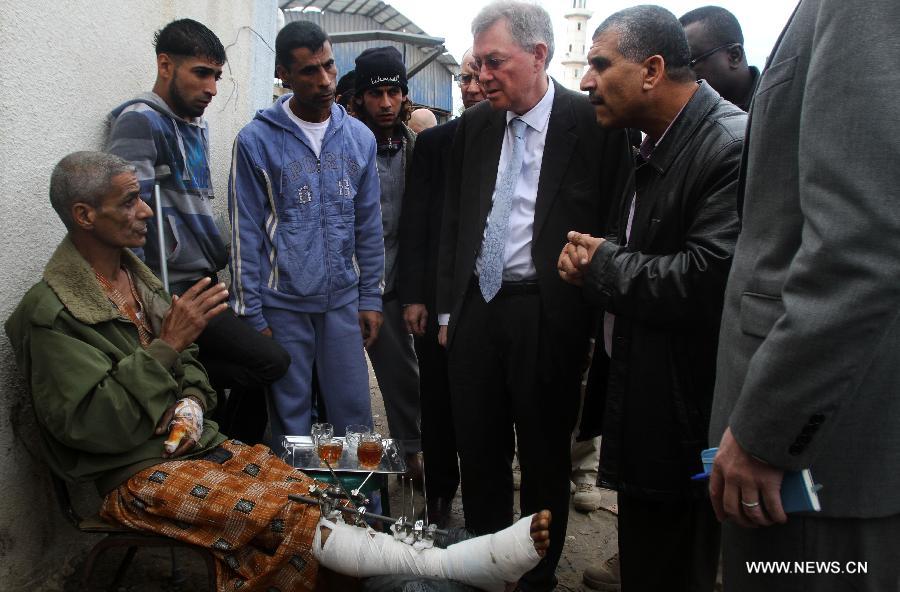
point(761, 20)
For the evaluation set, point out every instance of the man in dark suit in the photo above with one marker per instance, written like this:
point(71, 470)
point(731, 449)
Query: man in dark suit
point(526, 165)
point(808, 373)
point(420, 233)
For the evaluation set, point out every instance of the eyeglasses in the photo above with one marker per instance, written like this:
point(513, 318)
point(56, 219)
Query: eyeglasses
point(490, 62)
point(466, 79)
point(706, 54)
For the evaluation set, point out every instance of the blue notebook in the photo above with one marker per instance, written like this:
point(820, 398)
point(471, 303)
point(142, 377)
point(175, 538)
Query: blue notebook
point(799, 493)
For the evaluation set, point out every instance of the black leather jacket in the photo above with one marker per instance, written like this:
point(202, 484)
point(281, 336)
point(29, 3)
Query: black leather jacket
point(665, 287)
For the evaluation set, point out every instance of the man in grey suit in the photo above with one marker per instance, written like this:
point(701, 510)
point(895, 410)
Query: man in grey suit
point(808, 372)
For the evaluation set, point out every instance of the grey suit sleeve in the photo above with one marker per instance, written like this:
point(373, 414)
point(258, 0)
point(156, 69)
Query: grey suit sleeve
point(842, 291)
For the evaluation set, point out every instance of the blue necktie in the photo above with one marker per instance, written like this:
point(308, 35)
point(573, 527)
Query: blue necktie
point(492, 250)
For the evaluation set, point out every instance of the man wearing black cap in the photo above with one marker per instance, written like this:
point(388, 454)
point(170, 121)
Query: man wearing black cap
point(382, 103)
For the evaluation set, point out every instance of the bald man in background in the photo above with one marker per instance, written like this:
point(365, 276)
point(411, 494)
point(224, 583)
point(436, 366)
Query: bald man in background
point(421, 120)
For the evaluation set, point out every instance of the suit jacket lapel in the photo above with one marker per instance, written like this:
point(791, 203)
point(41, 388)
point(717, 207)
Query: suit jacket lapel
point(742, 177)
point(491, 138)
point(560, 143)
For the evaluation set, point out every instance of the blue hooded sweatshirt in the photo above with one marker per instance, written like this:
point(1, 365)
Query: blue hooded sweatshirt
point(306, 230)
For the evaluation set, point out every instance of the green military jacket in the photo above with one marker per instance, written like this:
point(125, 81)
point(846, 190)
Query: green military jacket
point(98, 394)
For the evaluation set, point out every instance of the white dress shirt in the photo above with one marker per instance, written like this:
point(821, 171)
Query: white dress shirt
point(517, 263)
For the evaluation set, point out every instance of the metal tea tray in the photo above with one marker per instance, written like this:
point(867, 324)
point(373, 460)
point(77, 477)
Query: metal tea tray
point(300, 454)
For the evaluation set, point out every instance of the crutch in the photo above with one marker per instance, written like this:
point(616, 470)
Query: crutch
point(160, 173)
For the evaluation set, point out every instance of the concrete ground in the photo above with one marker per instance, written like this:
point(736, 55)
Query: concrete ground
point(590, 540)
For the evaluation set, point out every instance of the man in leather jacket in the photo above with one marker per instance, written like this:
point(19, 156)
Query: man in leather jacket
point(659, 276)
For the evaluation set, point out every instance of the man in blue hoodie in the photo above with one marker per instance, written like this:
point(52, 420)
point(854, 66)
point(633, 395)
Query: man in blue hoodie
point(307, 247)
point(163, 135)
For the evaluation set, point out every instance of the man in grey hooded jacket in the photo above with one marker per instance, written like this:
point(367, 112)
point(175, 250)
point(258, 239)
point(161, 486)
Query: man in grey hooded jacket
point(162, 133)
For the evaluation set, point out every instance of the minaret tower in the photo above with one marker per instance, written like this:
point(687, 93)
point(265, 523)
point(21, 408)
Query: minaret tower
point(574, 51)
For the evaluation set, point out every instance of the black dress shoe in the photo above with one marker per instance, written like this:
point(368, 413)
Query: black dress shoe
point(439, 511)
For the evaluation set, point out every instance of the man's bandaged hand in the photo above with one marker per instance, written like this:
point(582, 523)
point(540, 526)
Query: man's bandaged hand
point(184, 422)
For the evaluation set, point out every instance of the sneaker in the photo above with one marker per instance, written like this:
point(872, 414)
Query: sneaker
point(603, 577)
point(587, 498)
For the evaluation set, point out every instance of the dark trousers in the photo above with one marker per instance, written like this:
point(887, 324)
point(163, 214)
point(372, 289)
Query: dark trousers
point(239, 358)
point(815, 554)
point(667, 545)
point(397, 371)
point(438, 439)
point(500, 378)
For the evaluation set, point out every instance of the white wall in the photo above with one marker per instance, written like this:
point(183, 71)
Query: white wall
point(65, 65)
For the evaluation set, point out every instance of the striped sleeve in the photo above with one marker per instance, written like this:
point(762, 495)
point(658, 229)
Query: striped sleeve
point(131, 138)
point(253, 225)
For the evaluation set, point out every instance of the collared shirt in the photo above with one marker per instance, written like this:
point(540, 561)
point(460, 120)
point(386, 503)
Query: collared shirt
point(517, 264)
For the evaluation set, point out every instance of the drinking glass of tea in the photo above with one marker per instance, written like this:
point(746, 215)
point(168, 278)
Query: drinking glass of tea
point(370, 450)
point(330, 449)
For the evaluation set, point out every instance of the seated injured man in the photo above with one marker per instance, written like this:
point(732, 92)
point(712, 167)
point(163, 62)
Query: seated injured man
point(120, 399)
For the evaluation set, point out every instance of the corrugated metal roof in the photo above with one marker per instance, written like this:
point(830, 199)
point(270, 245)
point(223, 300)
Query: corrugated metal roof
point(379, 11)
point(382, 13)
point(432, 86)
